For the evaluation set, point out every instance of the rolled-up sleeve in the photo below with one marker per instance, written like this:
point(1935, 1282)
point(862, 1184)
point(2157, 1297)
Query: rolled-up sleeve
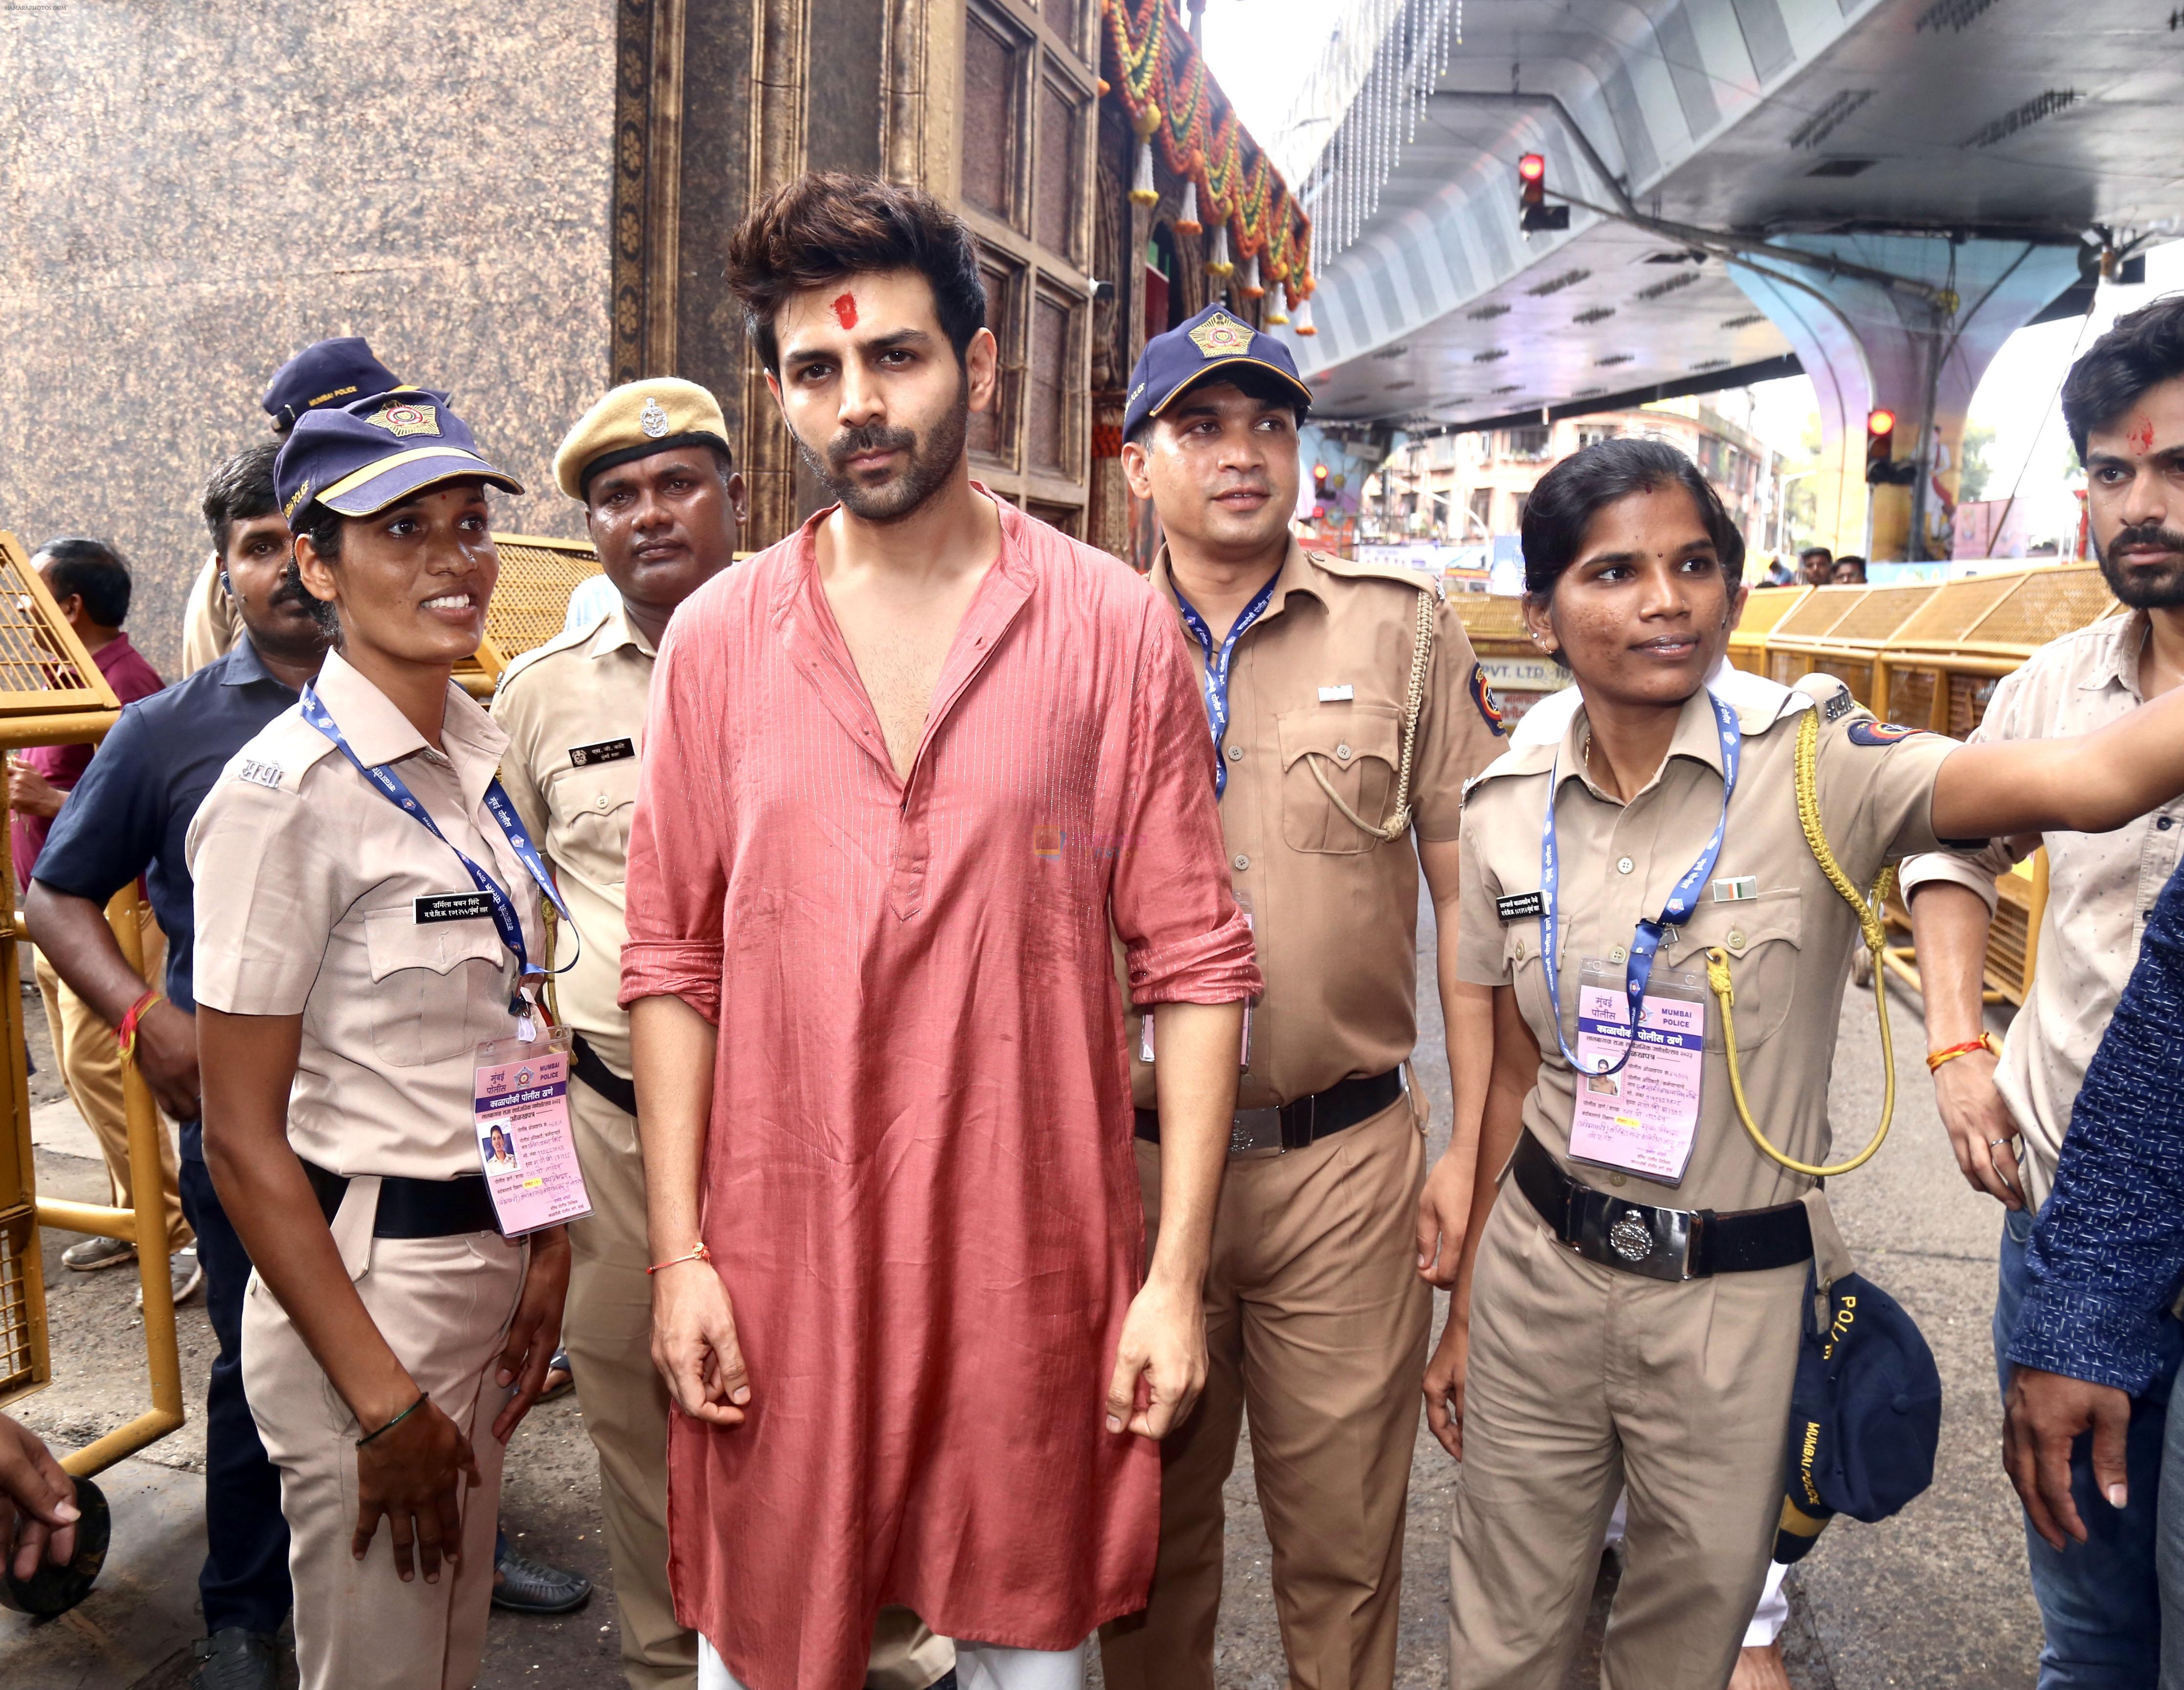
point(678, 834)
point(1184, 938)
point(2107, 1251)
point(268, 893)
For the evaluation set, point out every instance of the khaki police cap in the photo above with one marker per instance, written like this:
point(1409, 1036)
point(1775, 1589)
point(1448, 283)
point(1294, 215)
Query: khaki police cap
point(635, 420)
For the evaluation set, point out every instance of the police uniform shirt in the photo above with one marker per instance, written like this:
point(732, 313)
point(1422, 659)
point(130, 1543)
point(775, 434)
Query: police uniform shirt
point(1788, 945)
point(574, 713)
point(307, 883)
point(1322, 677)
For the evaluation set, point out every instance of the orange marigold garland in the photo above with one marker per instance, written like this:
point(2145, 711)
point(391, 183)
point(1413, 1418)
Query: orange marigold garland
point(1230, 185)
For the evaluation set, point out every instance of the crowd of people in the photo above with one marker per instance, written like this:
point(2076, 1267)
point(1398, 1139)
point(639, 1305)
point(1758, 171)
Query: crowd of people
point(918, 1025)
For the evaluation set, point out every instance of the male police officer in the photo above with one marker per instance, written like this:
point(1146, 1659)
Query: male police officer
point(1346, 712)
point(664, 506)
point(325, 372)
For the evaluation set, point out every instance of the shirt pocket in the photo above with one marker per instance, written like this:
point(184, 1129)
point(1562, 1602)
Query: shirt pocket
point(438, 988)
point(1355, 748)
point(1763, 938)
point(593, 806)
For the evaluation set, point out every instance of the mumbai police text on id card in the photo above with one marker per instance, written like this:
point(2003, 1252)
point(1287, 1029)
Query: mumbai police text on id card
point(1643, 1119)
point(521, 1111)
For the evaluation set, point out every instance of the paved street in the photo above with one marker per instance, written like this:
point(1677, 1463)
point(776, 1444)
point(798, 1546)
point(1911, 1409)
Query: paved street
point(1935, 1597)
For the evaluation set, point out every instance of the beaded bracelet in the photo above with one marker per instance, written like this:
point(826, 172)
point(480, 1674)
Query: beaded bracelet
point(1986, 1041)
point(396, 1421)
point(700, 1254)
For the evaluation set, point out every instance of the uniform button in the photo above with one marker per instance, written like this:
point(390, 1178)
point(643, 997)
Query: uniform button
point(1520, 950)
point(1618, 954)
point(1737, 939)
point(2165, 822)
point(1236, 755)
point(1624, 865)
point(1615, 1178)
point(601, 801)
point(1240, 862)
point(1342, 754)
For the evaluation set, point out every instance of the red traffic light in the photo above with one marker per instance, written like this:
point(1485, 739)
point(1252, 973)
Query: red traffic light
point(1880, 422)
point(1532, 167)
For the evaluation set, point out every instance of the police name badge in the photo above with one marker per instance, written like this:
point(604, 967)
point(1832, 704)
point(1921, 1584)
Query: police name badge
point(604, 751)
point(1644, 1118)
point(520, 1111)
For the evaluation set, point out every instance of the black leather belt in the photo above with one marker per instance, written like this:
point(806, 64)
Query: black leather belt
point(603, 1079)
point(1662, 1244)
point(415, 1208)
point(1292, 1126)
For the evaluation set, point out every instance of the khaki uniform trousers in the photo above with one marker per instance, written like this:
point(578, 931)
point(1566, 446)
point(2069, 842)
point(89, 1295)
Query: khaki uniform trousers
point(1316, 1325)
point(607, 1333)
point(91, 1068)
point(443, 1305)
point(1582, 1380)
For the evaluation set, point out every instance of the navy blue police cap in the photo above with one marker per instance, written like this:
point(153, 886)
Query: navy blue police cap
point(325, 372)
point(357, 459)
point(1865, 1415)
point(1216, 339)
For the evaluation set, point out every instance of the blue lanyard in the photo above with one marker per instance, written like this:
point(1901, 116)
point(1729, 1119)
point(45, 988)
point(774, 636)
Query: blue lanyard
point(1682, 901)
point(505, 917)
point(1216, 667)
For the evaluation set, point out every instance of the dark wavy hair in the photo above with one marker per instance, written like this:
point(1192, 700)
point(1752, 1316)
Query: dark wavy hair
point(828, 225)
point(1571, 494)
point(2145, 349)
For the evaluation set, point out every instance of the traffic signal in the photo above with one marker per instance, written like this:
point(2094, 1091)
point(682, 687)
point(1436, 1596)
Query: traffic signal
point(1881, 469)
point(1534, 213)
point(1319, 484)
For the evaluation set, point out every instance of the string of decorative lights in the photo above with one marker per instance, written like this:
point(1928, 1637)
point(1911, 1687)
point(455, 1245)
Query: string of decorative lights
point(1409, 43)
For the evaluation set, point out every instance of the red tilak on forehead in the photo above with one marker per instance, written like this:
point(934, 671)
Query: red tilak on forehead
point(2141, 432)
point(845, 311)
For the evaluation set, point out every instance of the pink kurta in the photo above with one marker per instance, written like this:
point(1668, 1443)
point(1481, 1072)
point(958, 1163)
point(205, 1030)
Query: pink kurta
point(919, 1187)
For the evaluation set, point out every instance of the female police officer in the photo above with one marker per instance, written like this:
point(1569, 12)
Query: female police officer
point(365, 907)
point(1629, 1309)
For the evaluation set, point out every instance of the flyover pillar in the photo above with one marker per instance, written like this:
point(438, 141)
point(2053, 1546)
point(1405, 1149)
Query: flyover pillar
point(1918, 354)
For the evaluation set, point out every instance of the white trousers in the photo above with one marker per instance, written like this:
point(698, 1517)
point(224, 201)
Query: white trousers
point(979, 1666)
point(1768, 1618)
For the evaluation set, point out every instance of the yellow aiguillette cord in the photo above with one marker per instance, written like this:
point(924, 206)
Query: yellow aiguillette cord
point(1876, 937)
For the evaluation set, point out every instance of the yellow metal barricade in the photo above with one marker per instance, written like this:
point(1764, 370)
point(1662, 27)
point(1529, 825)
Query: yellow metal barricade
point(1938, 671)
point(51, 692)
point(1517, 670)
point(1765, 608)
point(537, 577)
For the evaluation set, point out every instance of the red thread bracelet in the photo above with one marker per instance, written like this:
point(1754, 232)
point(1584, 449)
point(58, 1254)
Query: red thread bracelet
point(1950, 1053)
point(126, 1035)
point(701, 1254)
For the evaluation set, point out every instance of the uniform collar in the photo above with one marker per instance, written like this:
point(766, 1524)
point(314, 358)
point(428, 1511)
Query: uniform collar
point(1698, 736)
point(1298, 573)
point(241, 666)
point(378, 733)
point(614, 631)
point(2122, 641)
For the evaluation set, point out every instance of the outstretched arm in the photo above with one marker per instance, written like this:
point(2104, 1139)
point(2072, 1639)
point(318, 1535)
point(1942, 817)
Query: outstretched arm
point(2086, 783)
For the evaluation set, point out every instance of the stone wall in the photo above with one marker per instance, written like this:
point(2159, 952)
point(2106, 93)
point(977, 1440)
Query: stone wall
point(190, 192)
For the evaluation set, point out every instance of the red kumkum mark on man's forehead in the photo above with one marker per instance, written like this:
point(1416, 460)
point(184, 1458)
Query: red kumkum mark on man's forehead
point(845, 311)
point(2141, 432)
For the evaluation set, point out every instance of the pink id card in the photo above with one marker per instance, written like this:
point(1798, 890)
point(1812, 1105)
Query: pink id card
point(521, 1111)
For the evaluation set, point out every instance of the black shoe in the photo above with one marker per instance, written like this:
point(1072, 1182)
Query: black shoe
point(236, 1659)
point(523, 1586)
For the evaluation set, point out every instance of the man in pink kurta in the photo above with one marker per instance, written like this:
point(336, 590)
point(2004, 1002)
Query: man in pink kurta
point(918, 1185)
point(906, 776)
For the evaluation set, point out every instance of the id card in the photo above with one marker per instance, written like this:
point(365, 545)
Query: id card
point(1644, 1118)
point(520, 1092)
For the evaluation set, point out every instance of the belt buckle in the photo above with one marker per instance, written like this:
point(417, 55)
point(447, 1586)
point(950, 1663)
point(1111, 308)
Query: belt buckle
point(1256, 1133)
point(1635, 1238)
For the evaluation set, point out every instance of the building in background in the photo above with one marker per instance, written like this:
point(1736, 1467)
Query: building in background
point(1468, 489)
point(533, 205)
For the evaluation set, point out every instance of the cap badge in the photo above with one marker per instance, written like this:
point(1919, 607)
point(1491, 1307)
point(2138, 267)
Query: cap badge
point(1221, 336)
point(402, 420)
point(652, 420)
